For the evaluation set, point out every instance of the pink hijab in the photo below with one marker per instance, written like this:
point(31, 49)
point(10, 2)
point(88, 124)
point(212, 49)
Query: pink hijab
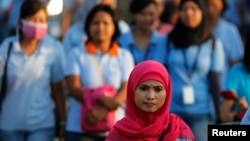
point(140, 126)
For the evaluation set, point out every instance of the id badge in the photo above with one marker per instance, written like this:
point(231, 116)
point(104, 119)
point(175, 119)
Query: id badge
point(188, 95)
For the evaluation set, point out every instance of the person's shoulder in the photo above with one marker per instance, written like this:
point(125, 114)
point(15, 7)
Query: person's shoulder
point(123, 52)
point(227, 25)
point(77, 51)
point(6, 43)
point(9, 39)
point(237, 67)
point(76, 27)
point(126, 35)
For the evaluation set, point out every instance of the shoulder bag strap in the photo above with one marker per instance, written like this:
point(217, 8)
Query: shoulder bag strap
point(98, 68)
point(4, 78)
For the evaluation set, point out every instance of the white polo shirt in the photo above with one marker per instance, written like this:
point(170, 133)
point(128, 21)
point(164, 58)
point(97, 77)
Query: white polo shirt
point(115, 70)
point(28, 104)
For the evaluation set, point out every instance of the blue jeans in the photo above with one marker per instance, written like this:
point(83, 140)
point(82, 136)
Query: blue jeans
point(46, 134)
point(198, 124)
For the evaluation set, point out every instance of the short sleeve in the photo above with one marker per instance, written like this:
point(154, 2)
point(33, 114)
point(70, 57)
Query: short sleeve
point(57, 68)
point(67, 41)
point(72, 66)
point(127, 64)
point(236, 51)
point(217, 57)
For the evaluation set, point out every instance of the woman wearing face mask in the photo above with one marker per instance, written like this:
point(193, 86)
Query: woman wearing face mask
point(148, 102)
point(142, 40)
point(34, 70)
point(195, 61)
point(97, 63)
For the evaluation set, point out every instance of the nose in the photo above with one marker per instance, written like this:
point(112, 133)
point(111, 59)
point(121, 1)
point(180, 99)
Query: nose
point(150, 95)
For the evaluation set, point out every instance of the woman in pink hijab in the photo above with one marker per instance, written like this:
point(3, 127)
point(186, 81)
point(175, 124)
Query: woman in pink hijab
point(148, 118)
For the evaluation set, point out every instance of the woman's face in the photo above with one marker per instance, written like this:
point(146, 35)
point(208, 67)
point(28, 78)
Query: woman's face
point(39, 17)
point(102, 27)
point(191, 14)
point(150, 96)
point(145, 19)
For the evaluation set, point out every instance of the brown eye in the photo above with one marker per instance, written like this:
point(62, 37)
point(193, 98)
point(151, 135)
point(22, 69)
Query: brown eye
point(158, 89)
point(144, 88)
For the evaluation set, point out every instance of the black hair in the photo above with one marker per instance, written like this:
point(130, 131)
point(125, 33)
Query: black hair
point(225, 6)
point(31, 7)
point(93, 12)
point(136, 6)
point(183, 36)
point(246, 58)
point(169, 9)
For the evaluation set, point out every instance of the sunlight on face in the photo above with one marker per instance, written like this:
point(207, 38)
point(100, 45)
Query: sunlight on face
point(150, 96)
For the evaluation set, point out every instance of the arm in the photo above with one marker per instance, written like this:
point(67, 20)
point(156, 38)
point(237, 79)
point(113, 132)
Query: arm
point(75, 87)
point(60, 100)
point(126, 69)
point(215, 88)
point(113, 103)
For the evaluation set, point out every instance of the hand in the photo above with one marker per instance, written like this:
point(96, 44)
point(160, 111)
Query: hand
point(96, 115)
point(110, 103)
point(62, 133)
point(243, 103)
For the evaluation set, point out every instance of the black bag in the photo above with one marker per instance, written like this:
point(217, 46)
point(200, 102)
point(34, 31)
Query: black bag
point(4, 79)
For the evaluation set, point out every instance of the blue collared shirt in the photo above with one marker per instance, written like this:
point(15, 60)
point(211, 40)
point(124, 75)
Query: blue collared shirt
point(28, 104)
point(156, 50)
point(232, 43)
point(206, 61)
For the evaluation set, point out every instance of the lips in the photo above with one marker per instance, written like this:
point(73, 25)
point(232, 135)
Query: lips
point(149, 104)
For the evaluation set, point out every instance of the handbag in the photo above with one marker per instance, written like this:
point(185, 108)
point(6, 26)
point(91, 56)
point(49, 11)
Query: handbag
point(90, 98)
point(4, 78)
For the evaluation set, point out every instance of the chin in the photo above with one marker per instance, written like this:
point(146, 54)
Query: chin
point(149, 110)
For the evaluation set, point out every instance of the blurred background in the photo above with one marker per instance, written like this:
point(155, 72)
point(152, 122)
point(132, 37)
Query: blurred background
point(64, 12)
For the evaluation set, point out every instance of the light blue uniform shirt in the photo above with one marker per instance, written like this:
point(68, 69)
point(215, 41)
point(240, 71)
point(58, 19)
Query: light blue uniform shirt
point(238, 80)
point(199, 79)
point(232, 43)
point(28, 104)
point(76, 36)
point(156, 50)
point(115, 70)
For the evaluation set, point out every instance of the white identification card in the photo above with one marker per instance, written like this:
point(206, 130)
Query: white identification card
point(188, 95)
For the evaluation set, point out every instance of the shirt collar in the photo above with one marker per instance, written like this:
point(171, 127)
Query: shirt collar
point(153, 39)
point(113, 51)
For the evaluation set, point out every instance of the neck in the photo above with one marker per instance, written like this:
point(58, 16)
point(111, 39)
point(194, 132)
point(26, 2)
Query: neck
point(103, 47)
point(142, 33)
point(213, 23)
point(29, 43)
